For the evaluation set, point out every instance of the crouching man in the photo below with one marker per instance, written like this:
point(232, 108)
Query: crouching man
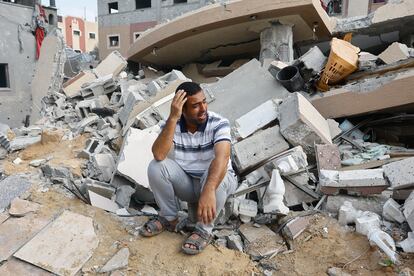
point(200, 171)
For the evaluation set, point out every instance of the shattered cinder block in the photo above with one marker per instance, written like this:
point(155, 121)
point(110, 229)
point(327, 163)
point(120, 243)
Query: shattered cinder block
point(123, 195)
point(391, 211)
point(301, 124)
point(235, 242)
point(72, 87)
point(113, 64)
point(395, 52)
point(132, 99)
point(92, 146)
point(295, 227)
point(400, 174)
point(157, 85)
point(259, 147)
point(105, 164)
point(358, 182)
point(409, 210)
point(257, 118)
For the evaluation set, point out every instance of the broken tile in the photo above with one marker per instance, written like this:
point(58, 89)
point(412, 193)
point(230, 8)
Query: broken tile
point(400, 174)
point(301, 124)
point(118, 261)
point(102, 202)
point(17, 267)
point(64, 246)
point(12, 187)
point(258, 148)
point(20, 207)
point(15, 232)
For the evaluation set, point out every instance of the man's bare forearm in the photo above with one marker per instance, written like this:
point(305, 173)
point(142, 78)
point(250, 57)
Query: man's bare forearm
point(164, 141)
point(216, 173)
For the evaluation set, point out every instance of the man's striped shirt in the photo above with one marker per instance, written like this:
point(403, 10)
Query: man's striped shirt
point(195, 151)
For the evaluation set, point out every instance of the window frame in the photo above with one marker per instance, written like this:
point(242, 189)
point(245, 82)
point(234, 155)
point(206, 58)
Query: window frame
point(7, 77)
point(108, 41)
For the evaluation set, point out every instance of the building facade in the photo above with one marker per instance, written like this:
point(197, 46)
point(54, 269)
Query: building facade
point(122, 22)
point(18, 58)
point(351, 8)
point(79, 34)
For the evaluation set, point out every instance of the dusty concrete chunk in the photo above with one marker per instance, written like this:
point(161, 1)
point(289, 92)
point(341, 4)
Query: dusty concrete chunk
point(38, 162)
point(71, 237)
point(395, 52)
point(259, 147)
point(22, 142)
point(102, 202)
point(72, 87)
point(370, 203)
point(301, 124)
point(123, 195)
point(391, 211)
point(359, 182)
point(16, 267)
point(12, 187)
point(314, 59)
point(409, 210)
point(234, 242)
point(118, 261)
point(113, 64)
point(20, 207)
point(400, 174)
point(257, 118)
point(408, 244)
point(328, 157)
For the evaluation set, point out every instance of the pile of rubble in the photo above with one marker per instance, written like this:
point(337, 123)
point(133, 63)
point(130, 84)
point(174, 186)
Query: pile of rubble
point(291, 160)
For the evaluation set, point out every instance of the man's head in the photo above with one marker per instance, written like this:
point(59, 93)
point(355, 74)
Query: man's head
point(195, 108)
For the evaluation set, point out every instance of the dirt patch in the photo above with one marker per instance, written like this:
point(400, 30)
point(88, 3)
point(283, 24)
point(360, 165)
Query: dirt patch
point(62, 153)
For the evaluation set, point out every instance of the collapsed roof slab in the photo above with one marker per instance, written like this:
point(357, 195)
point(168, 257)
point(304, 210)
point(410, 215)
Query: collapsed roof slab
point(395, 91)
point(231, 29)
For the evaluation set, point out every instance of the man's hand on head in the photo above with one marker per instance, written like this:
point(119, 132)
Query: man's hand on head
point(207, 206)
point(177, 105)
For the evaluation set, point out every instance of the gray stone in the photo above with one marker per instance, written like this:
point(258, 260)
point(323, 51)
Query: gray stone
point(301, 124)
point(395, 52)
point(244, 89)
point(400, 174)
point(56, 172)
point(23, 142)
point(20, 207)
point(259, 147)
point(234, 242)
point(123, 195)
point(314, 59)
point(12, 187)
point(118, 261)
point(371, 203)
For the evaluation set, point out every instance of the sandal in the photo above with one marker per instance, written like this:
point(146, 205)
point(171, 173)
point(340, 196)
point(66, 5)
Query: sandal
point(200, 242)
point(155, 226)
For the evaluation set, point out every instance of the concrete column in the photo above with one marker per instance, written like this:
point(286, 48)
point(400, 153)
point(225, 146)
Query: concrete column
point(276, 43)
point(158, 5)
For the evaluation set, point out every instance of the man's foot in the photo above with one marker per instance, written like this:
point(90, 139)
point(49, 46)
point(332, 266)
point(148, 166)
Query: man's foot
point(196, 242)
point(157, 225)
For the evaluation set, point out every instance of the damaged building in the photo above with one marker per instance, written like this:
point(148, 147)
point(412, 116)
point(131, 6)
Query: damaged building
point(320, 106)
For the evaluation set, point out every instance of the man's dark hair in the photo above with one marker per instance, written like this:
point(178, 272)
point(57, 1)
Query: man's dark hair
point(189, 87)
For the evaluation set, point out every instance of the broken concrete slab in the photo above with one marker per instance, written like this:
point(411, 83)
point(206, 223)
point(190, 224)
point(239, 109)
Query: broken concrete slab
point(314, 59)
point(400, 174)
point(37, 162)
point(260, 241)
point(234, 242)
point(257, 118)
point(258, 148)
point(402, 194)
point(23, 142)
point(15, 232)
point(295, 227)
point(155, 86)
point(12, 187)
point(395, 52)
point(102, 202)
point(234, 95)
point(16, 267)
point(113, 64)
point(301, 124)
point(101, 86)
point(408, 244)
point(132, 100)
point(118, 261)
point(371, 203)
point(328, 157)
point(359, 182)
point(409, 210)
point(395, 92)
point(64, 246)
point(20, 207)
point(3, 217)
point(123, 195)
point(101, 188)
point(105, 164)
point(392, 211)
point(137, 143)
point(294, 195)
point(334, 128)
point(72, 87)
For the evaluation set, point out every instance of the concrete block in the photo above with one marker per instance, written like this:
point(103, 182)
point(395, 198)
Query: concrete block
point(118, 261)
point(56, 172)
point(123, 195)
point(88, 121)
point(301, 124)
point(132, 100)
point(314, 59)
point(244, 89)
point(395, 52)
point(235, 242)
point(23, 142)
point(358, 182)
point(12, 187)
point(256, 118)
point(366, 222)
point(101, 188)
point(113, 64)
point(101, 86)
point(371, 203)
point(328, 157)
point(334, 128)
point(400, 174)
point(247, 210)
point(93, 146)
point(4, 141)
point(258, 148)
point(295, 227)
point(391, 211)
point(157, 85)
point(106, 165)
point(72, 87)
point(409, 210)
point(408, 244)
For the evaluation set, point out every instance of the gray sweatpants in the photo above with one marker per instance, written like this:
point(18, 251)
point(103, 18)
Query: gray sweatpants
point(168, 180)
